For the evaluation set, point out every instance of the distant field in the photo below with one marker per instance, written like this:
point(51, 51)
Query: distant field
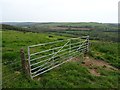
point(96, 31)
point(71, 28)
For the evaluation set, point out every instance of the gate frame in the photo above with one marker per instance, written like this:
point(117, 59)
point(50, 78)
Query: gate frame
point(69, 40)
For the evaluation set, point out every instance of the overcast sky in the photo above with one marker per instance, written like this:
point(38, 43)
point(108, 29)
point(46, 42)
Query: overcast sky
point(105, 11)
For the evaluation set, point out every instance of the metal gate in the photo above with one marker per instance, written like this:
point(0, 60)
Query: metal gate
point(46, 56)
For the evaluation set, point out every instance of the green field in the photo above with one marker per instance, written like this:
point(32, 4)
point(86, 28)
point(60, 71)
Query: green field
point(68, 75)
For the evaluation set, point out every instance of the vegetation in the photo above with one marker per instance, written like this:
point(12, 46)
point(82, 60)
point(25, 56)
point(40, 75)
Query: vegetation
point(107, 51)
point(69, 75)
point(9, 27)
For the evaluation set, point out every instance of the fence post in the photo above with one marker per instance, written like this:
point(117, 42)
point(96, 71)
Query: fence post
point(23, 62)
point(22, 55)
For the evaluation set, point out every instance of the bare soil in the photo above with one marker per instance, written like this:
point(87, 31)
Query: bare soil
point(93, 64)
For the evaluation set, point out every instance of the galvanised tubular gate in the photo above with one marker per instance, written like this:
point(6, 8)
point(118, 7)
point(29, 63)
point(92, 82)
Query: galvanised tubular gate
point(45, 60)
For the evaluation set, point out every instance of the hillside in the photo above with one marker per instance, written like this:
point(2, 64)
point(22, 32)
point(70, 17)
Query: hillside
point(99, 69)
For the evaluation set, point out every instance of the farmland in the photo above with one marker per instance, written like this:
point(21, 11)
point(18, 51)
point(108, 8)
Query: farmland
point(74, 74)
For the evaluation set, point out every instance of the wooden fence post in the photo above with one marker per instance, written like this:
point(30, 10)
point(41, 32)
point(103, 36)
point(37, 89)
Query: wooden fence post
point(23, 61)
point(25, 66)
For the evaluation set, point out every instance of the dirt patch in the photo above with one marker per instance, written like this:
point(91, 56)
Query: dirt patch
point(92, 62)
point(94, 72)
point(93, 65)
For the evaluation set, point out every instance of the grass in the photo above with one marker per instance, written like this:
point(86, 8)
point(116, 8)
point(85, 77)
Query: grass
point(69, 75)
point(0, 59)
point(107, 51)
